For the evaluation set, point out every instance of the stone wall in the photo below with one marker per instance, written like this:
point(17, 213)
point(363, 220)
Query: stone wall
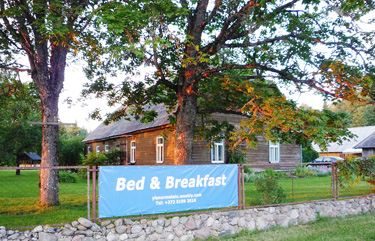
point(194, 226)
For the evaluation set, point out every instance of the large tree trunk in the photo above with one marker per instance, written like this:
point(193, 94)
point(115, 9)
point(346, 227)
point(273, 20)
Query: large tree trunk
point(49, 79)
point(49, 178)
point(186, 114)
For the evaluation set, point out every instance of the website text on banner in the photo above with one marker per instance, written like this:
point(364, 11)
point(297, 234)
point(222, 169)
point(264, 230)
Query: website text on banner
point(139, 190)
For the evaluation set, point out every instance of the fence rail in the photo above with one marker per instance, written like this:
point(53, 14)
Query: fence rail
point(290, 184)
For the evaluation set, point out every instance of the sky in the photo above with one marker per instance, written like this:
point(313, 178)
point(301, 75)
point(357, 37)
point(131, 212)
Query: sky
point(79, 109)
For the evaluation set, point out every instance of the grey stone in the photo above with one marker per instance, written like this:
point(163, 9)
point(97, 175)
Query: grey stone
point(78, 238)
point(85, 222)
point(261, 223)
point(227, 232)
point(210, 221)
point(183, 220)
point(303, 218)
point(81, 227)
point(203, 233)
point(105, 223)
point(242, 222)
point(47, 237)
point(14, 236)
point(190, 224)
point(161, 222)
point(67, 232)
point(119, 222)
point(123, 236)
point(95, 227)
point(110, 226)
point(293, 214)
point(159, 229)
point(38, 229)
point(136, 229)
point(121, 229)
point(88, 239)
point(175, 221)
point(113, 237)
point(49, 230)
point(234, 221)
point(128, 221)
point(251, 225)
point(178, 231)
point(3, 233)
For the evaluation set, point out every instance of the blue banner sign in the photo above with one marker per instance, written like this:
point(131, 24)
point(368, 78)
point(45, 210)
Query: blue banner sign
point(139, 190)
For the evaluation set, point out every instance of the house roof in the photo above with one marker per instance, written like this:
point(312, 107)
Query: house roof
point(369, 142)
point(350, 146)
point(129, 125)
point(33, 156)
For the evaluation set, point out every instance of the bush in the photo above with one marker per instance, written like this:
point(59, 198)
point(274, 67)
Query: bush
point(269, 191)
point(309, 154)
point(303, 171)
point(94, 159)
point(320, 171)
point(67, 177)
point(237, 157)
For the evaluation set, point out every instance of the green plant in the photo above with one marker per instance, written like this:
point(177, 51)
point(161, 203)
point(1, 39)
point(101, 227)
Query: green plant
point(303, 171)
point(309, 154)
point(269, 191)
point(67, 177)
point(272, 173)
point(94, 159)
point(357, 169)
point(114, 157)
point(237, 157)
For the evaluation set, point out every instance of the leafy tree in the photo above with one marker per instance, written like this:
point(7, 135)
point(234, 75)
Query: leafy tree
point(44, 32)
point(19, 104)
point(230, 57)
point(71, 147)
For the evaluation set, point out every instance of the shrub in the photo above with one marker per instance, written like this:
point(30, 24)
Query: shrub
point(269, 191)
point(272, 173)
point(94, 159)
point(309, 154)
point(320, 171)
point(237, 157)
point(67, 177)
point(303, 171)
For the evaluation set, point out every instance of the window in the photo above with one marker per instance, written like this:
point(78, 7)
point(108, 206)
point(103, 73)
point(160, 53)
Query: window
point(88, 149)
point(159, 149)
point(97, 149)
point(274, 152)
point(132, 151)
point(218, 152)
point(106, 148)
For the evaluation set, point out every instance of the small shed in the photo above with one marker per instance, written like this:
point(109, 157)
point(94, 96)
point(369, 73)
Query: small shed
point(29, 159)
point(367, 145)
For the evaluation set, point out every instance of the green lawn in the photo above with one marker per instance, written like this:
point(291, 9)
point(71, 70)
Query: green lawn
point(19, 197)
point(360, 227)
point(309, 188)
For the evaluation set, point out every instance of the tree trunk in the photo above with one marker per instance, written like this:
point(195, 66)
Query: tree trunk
point(186, 114)
point(49, 178)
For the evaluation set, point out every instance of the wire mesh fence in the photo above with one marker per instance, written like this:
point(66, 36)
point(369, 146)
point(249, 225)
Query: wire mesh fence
point(265, 184)
point(19, 197)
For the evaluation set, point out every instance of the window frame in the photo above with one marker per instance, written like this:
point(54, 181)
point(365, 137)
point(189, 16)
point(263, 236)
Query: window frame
point(133, 151)
point(159, 150)
point(273, 147)
point(97, 149)
point(106, 148)
point(88, 149)
point(215, 151)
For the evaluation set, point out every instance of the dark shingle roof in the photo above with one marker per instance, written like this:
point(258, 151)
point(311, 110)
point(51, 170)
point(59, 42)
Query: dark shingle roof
point(123, 127)
point(369, 142)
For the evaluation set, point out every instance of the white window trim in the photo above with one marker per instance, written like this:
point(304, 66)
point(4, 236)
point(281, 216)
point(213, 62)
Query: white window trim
point(215, 148)
point(271, 147)
point(88, 149)
point(159, 150)
point(133, 152)
point(97, 149)
point(106, 148)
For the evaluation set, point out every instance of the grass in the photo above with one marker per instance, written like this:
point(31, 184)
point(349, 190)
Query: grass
point(19, 197)
point(309, 188)
point(360, 227)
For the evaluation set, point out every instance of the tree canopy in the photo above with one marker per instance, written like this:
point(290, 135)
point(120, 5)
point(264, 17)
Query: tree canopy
point(19, 104)
point(233, 57)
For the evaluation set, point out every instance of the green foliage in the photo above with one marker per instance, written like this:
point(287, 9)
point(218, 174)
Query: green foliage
point(309, 154)
point(237, 157)
point(356, 169)
point(269, 191)
point(19, 104)
point(67, 177)
point(71, 147)
point(303, 171)
point(95, 159)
